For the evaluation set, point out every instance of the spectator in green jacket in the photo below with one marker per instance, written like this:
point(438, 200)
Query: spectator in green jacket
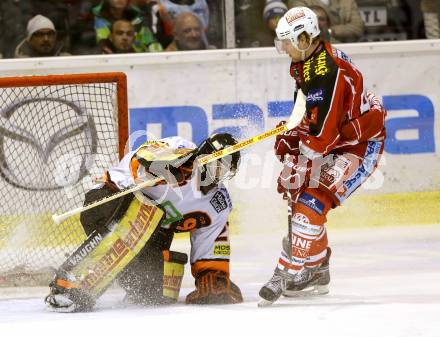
point(109, 11)
point(120, 40)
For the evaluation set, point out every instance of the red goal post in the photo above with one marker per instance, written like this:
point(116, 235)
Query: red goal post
point(112, 77)
point(57, 133)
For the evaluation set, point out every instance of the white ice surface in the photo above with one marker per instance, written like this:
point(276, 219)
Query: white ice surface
point(385, 282)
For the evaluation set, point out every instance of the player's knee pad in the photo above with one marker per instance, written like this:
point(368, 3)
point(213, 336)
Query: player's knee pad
point(102, 257)
point(311, 207)
point(309, 217)
point(214, 287)
point(306, 230)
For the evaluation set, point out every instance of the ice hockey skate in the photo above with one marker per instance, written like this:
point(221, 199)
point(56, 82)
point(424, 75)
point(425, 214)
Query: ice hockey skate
point(274, 288)
point(310, 281)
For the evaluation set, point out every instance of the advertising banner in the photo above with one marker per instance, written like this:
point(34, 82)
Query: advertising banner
point(248, 91)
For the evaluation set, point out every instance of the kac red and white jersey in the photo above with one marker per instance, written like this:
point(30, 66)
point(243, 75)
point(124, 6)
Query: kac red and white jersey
point(335, 95)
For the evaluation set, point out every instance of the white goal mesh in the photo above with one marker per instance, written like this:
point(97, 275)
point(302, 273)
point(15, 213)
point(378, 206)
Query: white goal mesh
point(57, 133)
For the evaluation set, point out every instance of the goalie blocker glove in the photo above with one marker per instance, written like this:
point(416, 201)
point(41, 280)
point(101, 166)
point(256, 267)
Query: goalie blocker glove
point(214, 287)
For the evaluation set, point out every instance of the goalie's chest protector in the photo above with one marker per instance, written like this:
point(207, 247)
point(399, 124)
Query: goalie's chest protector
point(187, 208)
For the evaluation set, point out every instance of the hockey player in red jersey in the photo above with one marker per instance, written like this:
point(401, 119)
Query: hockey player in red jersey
point(326, 158)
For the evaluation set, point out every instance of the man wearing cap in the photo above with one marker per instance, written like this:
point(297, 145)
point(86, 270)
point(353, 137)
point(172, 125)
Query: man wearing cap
point(272, 13)
point(41, 40)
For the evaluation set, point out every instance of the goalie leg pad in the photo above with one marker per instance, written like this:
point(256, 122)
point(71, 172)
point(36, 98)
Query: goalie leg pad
point(154, 282)
point(173, 270)
point(142, 279)
point(154, 277)
point(92, 273)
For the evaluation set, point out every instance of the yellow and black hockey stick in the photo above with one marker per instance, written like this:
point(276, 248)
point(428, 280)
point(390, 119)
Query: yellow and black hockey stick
point(295, 118)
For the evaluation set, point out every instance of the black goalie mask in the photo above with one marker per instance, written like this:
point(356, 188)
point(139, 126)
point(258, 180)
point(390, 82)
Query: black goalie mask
point(221, 169)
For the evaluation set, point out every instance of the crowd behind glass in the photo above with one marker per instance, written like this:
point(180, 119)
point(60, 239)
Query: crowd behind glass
point(34, 28)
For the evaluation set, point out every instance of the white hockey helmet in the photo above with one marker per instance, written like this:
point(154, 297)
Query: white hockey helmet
point(296, 21)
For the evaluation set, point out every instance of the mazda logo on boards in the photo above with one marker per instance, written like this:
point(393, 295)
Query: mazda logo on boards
point(35, 135)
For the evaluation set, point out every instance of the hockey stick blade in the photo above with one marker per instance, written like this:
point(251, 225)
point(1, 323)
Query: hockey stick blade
point(298, 111)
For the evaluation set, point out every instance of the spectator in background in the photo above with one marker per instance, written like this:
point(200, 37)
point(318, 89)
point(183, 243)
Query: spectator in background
point(273, 12)
point(346, 22)
point(188, 33)
point(324, 23)
point(391, 20)
point(12, 26)
point(72, 19)
point(170, 9)
point(431, 18)
point(41, 39)
point(250, 28)
point(152, 13)
point(109, 11)
point(120, 40)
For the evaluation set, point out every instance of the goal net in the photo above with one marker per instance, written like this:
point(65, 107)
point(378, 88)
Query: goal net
point(57, 134)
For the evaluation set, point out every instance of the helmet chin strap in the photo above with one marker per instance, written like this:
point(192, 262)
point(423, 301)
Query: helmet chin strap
point(302, 51)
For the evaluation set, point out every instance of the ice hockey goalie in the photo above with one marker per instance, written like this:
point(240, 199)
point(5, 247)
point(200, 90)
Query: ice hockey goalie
point(129, 238)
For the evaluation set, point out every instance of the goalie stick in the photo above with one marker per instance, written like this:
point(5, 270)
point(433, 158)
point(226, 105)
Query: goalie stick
point(297, 115)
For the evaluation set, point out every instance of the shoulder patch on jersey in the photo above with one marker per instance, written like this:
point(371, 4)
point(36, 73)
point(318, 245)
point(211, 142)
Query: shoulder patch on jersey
point(340, 54)
point(316, 96)
point(311, 202)
point(219, 201)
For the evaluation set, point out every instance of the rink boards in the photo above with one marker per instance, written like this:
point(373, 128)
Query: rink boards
point(247, 91)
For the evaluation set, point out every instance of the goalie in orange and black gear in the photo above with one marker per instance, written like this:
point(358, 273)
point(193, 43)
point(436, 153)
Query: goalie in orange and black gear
point(146, 276)
point(204, 215)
